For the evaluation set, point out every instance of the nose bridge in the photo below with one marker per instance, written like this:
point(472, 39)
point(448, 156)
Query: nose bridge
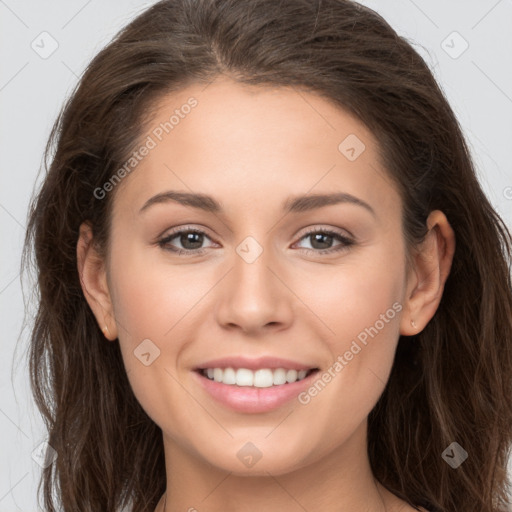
point(253, 296)
point(252, 278)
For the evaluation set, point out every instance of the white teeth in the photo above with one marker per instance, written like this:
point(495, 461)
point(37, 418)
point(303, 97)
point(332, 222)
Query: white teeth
point(244, 377)
point(229, 376)
point(291, 375)
point(263, 378)
point(279, 376)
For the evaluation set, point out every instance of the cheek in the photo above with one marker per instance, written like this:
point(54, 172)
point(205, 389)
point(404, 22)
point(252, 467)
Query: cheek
point(368, 302)
point(152, 296)
point(362, 348)
point(152, 307)
point(362, 293)
point(157, 306)
point(361, 305)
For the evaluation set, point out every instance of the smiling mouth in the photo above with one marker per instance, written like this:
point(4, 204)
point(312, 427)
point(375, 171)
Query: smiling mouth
point(261, 378)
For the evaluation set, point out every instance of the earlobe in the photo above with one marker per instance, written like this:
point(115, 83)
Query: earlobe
point(432, 264)
point(93, 278)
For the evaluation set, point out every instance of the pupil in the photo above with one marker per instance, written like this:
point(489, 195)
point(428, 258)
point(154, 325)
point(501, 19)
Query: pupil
point(318, 238)
point(189, 237)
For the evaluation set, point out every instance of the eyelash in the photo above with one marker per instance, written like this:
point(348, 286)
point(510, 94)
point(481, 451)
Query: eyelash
point(345, 242)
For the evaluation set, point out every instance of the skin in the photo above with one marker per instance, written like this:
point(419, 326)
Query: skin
point(251, 148)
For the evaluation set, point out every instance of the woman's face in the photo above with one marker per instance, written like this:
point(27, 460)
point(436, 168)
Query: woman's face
point(299, 264)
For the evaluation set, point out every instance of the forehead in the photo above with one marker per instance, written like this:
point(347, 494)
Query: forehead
point(255, 144)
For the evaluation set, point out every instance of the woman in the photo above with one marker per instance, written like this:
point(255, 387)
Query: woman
point(183, 357)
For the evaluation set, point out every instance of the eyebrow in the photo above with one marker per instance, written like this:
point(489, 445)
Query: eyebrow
point(293, 204)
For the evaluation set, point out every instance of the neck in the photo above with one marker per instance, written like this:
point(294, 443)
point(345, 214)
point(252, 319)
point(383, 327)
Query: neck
point(341, 480)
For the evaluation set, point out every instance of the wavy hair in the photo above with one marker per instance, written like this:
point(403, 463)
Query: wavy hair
point(451, 382)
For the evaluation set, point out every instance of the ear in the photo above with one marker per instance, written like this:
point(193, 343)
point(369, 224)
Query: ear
point(426, 280)
point(93, 278)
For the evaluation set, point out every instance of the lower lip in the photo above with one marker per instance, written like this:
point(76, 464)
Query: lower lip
point(251, 399)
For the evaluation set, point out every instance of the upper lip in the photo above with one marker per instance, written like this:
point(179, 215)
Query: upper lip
point(255, 364)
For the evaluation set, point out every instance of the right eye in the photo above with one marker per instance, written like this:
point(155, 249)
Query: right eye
point(190, 240)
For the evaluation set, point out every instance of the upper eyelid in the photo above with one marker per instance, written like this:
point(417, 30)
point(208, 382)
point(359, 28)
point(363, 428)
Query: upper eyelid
point(337, 231)
point(173, 233)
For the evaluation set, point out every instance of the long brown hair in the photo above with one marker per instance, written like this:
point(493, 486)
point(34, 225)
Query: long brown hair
point(451, 382)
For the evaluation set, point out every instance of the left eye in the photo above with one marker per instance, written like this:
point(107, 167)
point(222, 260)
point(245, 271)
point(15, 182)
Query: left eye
point(191, 241)
point(320, 238)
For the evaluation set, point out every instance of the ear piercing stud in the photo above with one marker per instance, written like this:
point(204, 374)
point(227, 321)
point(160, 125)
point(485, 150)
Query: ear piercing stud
point(413, 323)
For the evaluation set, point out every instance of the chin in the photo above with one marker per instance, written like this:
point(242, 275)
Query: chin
point(275, 464)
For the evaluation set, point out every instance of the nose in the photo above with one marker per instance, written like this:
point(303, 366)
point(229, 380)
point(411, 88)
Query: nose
point(254, 296)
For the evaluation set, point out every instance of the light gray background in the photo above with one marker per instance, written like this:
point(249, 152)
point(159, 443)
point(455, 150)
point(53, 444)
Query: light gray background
point(478, 84)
